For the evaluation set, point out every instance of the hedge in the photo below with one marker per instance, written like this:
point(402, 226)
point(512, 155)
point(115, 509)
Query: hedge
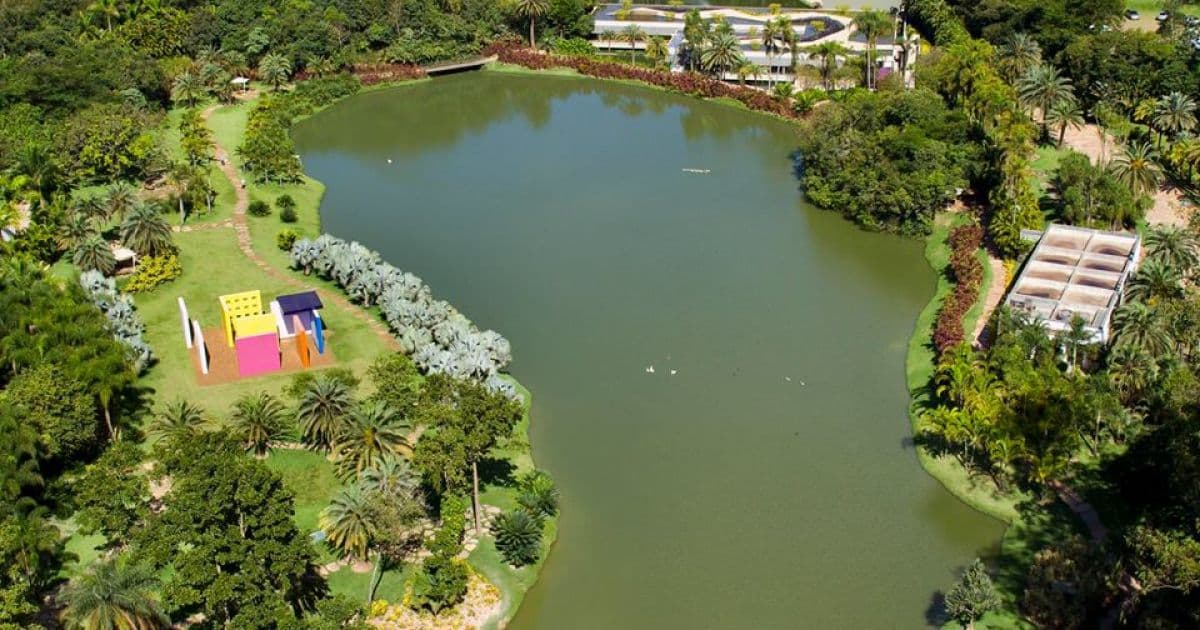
point(967, 273)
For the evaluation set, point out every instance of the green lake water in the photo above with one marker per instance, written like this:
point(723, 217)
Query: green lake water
point(768, 482)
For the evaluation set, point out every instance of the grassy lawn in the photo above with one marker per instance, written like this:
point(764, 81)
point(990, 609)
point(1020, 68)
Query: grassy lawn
point(310, 477)
point(1045, 164)
point(213, 266)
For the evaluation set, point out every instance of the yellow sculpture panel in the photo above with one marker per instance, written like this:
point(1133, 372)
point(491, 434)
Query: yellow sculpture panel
point(237, 305)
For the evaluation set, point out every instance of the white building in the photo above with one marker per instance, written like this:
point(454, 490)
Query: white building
point(811, 26)
point(1075, 272)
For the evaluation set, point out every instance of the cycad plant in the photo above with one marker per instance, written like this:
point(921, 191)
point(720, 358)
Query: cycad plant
point(518, 537)
point(258, 421)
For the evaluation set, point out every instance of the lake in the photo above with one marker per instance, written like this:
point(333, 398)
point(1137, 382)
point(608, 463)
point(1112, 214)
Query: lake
point(761, 476)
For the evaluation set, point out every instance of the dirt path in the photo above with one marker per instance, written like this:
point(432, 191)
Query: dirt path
point(242, 227)
point(1082, 509)
point(992, 300)
point(1090, 140)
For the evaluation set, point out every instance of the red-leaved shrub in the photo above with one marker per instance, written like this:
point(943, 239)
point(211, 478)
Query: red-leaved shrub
point(967, 273)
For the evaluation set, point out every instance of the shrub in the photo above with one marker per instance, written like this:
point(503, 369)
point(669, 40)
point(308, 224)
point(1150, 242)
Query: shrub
point(258, 208)
point(448, 539)
point(574, 46)
point(441, 583)
point(285, 202)
point(285, 239)
point(537, 494)
point(153, 271)
point(287, 215)
point(518, 537)
point(967, 273)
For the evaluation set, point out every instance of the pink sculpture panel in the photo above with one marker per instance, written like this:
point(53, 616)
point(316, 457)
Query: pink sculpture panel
point(258, 354)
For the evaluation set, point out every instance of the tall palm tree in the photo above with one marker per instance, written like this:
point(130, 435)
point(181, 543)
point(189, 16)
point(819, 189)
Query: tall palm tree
point(696, 33)
point(632, 34)
point(1131, 370)
point(1174, 114)
point(532, 10)
point(787, 33)
point(1175, 245)
point(391, 477)
point(1136, 168)
point(657, 50)
point(322, 411)
point(146, 232)
point(1042, 88)
point(74, 230)
point(113, 596)
point(1139, 327)
point(109, 9)
point(177, 420)
point(187, 89)
point(1065, 113)
point(723, 52)
point(827, 55)
point(771, 46)
point(94, 253)
point(275, 69)
point(373, 431)
point(258, 420)
point(608, 36)
point(119, 200)
point(40, 169)
point(746, 69)
point(1017, 55)
point(872, 23)
point(350, 521)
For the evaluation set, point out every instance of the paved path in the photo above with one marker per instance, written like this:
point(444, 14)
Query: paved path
point(1083, 509)
point(242, 227)
point(995, 293)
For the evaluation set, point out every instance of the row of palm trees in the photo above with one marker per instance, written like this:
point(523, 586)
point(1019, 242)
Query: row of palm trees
point(141, 228)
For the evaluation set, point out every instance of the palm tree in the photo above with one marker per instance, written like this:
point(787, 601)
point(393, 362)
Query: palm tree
point(39, 168)
point(391, 477)
point(258, 420)
point(108, 8)
point(275, 69)
point(1063, 114)
point(322, 412)
point(788, 34)
point(187, 89)
point(770, 42)
point(1155, 280)
point(74, 230)
point(696, 33)
point(145, 232)
point(178, 420)
point(1017, 55)
point(1174, 113)
point(782, 92)
point(1139, 327)
point(372, 432)
point(723, 53)
point(532, 10)
point(657, 50)
point(1136, 168)
point(608, 36)
point(871, 23)
point(120, 198)
point(1131, 370)
point(633, 34)
point(113, 596)
point(1175, 246)
point(1042, 88)
point(827, 54)
point(94, 253)
point(746, 69)
point(350, 521)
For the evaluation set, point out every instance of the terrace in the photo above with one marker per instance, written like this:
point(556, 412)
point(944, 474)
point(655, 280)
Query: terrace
point(1075, 272)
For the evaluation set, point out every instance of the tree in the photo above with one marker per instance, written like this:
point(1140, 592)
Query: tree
point(324, 405)
point(723, 52)
point(113, 495)
point(518, 537)
point(1174, 245)
point(349, 522)
point(177, 420)
point(532, 10)
point(187, 89)
point(195, 138)
point(871, 23)
point(633, 34)
point(1064, 114)
point(973, 596)
point(1175, 113)
point(1136, 168)
point(108, 9)
point(227, 537)
point(258, 421)
point(1137, 325)
point(113, 595)
point(59, 408)
point(657, 50)
point(275, 69)
point(746, 69)
point(94, 253)
point(75, 229)
point(145, 232)
point(1017, 55)
point(1043, 88)
point(827, 54)
point(119, 200)
point(373, 431)
point(537, 494)
point(1155, 280)
point(771, 34)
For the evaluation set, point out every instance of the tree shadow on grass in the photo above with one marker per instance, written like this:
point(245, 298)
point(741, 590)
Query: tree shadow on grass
point(497, 472)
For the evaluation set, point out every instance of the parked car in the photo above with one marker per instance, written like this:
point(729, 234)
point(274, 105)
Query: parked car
point(1192, 20)
point(1163, 16)
point(1132, 15)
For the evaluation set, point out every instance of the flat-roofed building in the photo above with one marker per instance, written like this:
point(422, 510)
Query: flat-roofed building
point(1075, 271)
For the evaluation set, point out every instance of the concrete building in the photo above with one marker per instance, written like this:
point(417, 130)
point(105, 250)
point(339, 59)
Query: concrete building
point(811, 26)
point(1072, 272)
